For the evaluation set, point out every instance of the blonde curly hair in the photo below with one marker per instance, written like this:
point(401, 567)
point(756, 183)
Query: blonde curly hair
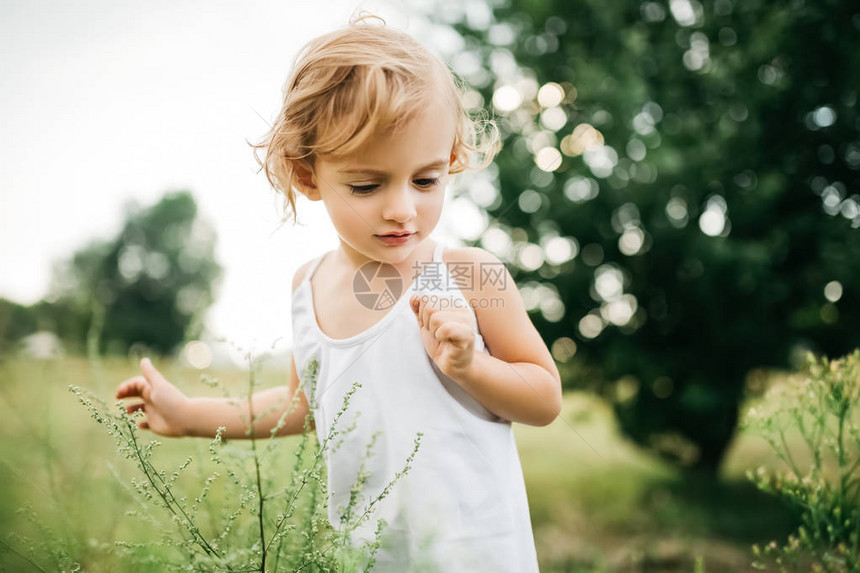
point(346, 86)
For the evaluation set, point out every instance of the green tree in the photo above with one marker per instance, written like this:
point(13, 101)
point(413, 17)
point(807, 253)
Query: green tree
point(680, 183)
point(149, 285)
point(16, 322)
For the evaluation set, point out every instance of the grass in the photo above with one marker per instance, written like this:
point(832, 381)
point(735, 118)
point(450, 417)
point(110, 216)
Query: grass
point(597, 502)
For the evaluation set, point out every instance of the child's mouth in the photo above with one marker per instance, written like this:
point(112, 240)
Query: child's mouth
point(394, 239)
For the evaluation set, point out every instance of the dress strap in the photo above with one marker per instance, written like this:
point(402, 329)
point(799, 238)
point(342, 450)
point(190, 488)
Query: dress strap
point(314, 264)
point(437, 253)
point(451, 284)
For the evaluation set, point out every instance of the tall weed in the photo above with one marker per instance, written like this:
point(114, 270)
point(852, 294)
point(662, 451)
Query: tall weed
point(242, 516)
point(822, 405)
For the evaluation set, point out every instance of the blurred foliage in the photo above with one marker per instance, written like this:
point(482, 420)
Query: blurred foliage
point(149, 286)
point(16, 322)
point(678, 190)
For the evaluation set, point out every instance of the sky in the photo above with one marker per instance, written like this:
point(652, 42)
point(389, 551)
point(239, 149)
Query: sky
point(104, 102)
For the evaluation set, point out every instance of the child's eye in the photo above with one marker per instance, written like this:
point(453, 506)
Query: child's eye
point(427, 183)
point(362, 189)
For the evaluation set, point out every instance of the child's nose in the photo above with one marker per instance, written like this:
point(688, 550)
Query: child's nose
point(400, 204)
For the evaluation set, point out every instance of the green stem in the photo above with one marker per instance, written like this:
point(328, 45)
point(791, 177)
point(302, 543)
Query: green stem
point(788, 459)
point(843, 476)
point(261, 501)
point(165, 493)
point(11, 549)
point(317, 456)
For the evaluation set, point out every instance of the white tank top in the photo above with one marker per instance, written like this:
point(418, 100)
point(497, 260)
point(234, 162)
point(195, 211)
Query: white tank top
point(462, 506)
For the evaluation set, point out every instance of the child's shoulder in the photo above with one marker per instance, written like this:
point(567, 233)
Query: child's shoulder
point(453, 255)
point(300, 273)
point(487, 272)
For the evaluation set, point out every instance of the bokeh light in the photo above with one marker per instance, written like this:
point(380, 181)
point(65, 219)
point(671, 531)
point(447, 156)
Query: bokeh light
point(530, 201)
point(581, 189)
point(608, 281)
point(591, 325)
point(636, 149)
point(558, 250)
point(548, 159)
point(552, 308)
point(676, 211)
point(714, 220)
point(198, 354)
point(498, 242)
point(686, 12)
point(550, 95)
point(601, 160)
point(631, 241)
point(506, 99)
point(833, 291)
point(563, 349)
point(530, 257)
point(553, 118)
point(583, 137)
point(697, 57)
point(467, 218)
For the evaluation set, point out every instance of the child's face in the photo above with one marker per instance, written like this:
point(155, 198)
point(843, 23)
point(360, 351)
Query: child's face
point(395, 182)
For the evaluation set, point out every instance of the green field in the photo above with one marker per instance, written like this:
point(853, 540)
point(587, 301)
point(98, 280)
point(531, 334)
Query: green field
point(597, 502)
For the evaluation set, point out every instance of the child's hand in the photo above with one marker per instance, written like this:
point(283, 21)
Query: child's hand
point(446, 332)
point(163, 403)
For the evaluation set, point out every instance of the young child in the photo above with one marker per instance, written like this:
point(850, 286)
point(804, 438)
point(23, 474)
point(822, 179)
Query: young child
point(373, 126)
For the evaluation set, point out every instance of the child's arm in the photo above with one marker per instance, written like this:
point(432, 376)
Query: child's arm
point(170, 413)
point(518, 380)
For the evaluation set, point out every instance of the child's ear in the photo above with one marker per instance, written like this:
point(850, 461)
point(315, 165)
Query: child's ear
point(453, 159)
point(303, 177)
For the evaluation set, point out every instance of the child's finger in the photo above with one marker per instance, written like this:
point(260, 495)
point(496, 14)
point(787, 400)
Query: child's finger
point(417, 307)
point(151, 373)
point(133, 408)
point(456, 321)
point(422, 312)
point(425, 310)
point(428, 309)
point(135, 387)
point(456, 333)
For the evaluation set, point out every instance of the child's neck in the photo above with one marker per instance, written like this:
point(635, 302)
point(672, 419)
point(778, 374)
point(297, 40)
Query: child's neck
point(350, 260)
